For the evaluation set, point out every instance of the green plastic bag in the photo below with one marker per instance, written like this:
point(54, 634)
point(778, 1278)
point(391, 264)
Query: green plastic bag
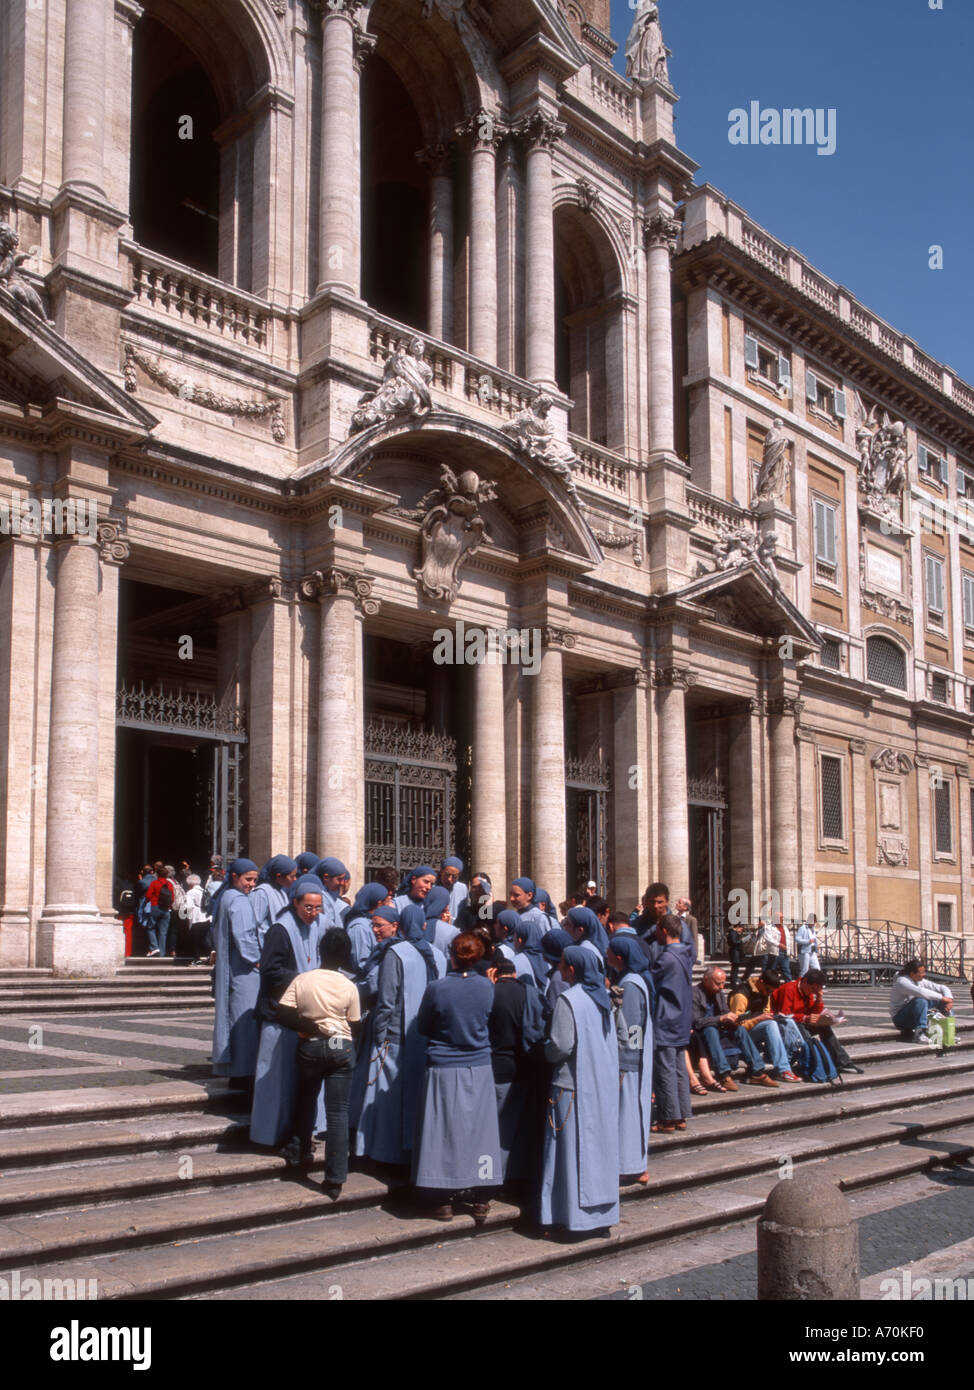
point(942, 1030)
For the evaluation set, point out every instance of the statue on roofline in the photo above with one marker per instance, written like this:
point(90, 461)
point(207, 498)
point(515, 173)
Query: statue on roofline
point(646, 53)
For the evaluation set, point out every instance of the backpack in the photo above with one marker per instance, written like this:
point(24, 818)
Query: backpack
point(206, 902)
point(144, 914)
point(127, 903)
point(164, 900)
point(813, 1062)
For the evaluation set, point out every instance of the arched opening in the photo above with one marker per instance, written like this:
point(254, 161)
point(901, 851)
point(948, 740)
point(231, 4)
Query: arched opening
point(395, 200)
point(885, 663)
point(175, 158)
point(589, 352)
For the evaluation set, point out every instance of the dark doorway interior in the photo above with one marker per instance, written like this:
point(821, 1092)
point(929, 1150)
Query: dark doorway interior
point(163, 800)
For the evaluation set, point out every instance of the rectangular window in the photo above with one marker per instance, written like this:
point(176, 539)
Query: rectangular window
point(826, 541)
point(831, 777)
point(944, 832)
point(938, 689)
point(831, 655)
point(934, 568)
point(833, 909)
point(965, 484)
point(945, 916)
point(931, 463)
point(751, 358)
point(968, 580)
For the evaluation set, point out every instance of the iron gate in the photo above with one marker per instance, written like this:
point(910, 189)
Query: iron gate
point(587, 786)
point(706, 824)
point(410, 797)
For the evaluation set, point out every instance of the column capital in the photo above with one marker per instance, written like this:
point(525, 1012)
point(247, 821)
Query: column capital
point(336, 9)
point(786, 706)
point(113, 548)
point(804, 735)
point(484, 129)
point(337, 583)
point(364, 47)
point(540, 131)
point(557, 637)
point(129, 11)
point(676, 677)
point(661, 230)
point(437, 158)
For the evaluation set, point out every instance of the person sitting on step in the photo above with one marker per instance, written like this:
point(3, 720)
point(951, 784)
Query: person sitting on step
point(718, 1036)
point(911, 999)
point(802, 1001)
point(778, 1036)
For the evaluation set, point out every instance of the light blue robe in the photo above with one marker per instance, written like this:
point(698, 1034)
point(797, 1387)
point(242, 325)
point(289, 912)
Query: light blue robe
point(580, 1182)
point(393, 1061)
point(361, 938)
point(268, 903)
point(635, 1076)
point(333, 908)
point(587, 945)
point(458, 896)
point(276, 1082)
point(236, 986)
point(443, 934)
point(807, 958)
point(522, 966)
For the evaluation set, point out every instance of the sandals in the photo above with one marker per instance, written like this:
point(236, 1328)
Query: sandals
point(698, 1090)
point(662, 1129)
point(716, 1086)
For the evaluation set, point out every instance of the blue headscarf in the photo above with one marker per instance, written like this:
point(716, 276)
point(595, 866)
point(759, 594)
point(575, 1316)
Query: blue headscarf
point(307, 883)
point(543, 900)
point(509, 920)
point(367, 899)
point(589, 976)
point(630, 949)
point(388, 914)
point(593, 929)
point(529, 935)
point(307, 861)
point(280, 864)
point(412, 928)
point(452, 862)
point(435, 902)
point(526, 885)
point(553, 944)
point(239, 866)
point(334, 867)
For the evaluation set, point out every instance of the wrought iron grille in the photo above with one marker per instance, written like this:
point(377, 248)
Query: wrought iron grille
point(832, 798)
point(588, 783)
point(944, 829)
point(885, 663)
point(410, 796)
point(179, 712)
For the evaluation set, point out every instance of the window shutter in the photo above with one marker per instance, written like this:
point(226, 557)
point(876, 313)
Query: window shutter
point(811, 386)
point(784, 371)
point(968, 601)
point(935, 584)
point(923, 461)
point(943, 471)
point(825, 547)
point(750, 351)
point(840, 408)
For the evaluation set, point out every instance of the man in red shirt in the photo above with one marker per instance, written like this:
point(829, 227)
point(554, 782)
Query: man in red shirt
point(802, 1001)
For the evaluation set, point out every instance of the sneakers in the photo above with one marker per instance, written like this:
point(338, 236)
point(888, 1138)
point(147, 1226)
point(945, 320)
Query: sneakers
point(789, 1076)
point(763, 1079)
point(920, 1035)
point(151, 953)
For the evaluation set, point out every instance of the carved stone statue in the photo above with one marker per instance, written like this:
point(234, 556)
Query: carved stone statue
point(451, 530)
point(774, 465)
point(883, 459)
point(766, 555)
point(739, 545)
point(11, 279)
point(534, 436)
point(404, 390)
point(646, 53)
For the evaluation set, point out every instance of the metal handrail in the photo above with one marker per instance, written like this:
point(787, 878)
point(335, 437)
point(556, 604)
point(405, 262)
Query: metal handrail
point(888, 942)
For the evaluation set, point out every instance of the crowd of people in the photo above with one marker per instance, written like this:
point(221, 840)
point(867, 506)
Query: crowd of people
point(464, 1041)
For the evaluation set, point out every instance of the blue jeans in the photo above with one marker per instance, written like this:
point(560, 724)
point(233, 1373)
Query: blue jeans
point(672, 1086)
point(768, 1034)
point(157, 929)
point(911, 1015)
point(738, 1042)
point(783, 964)
point(332, 1061)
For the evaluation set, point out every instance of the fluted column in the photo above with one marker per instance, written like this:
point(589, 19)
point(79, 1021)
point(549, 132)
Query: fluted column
point(71, 935)
point(784, 795)
point(341, 740)
point(86, 48)
point(540, 132)
point(438, 159)
point(548, 825)
point(484, 133)
point(674, 830)
point(343, 52)
point(662, 233)
point(489, 839)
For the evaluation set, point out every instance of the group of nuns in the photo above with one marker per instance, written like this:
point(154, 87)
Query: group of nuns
point(492, 1052)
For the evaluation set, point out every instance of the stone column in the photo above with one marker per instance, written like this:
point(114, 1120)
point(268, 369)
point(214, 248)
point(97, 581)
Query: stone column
point(631, 788)
point(548, 825)
point(113, 551)
point(673, 867)
point(784, 794)
point(438, 159)
point(86, 46)
point(485, 134)
point(745, 863)
point(344, 49)
point(860, 845)
point(341, 739)
point(489, 839)
point(662, 233)
point(72, 937)
point(540, 131)
point(269, 720)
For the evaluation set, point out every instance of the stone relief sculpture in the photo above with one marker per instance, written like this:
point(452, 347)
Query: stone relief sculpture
point(738, 545)
point(452, 530)
point(534, 436)
point(12, 280)
point(404, 390)
point(646, 53)
point(883, 458)
point(774, 465)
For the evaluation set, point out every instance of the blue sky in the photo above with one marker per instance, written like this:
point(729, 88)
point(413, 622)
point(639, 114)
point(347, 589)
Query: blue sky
point(899, 76)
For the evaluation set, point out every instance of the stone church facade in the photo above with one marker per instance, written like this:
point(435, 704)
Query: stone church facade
point(344, 329)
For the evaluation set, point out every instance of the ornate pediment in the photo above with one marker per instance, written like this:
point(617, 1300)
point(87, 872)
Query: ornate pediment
point(747, 599)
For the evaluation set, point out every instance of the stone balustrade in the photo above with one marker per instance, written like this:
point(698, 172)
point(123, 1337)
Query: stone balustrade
point(600, 467)
point(712, 513)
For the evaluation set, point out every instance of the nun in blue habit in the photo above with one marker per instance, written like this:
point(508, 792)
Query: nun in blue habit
point(439, 932)
point(457, 890)
point(307, 862)
point(626, 955)
point(270, 897)
point(528, 936)
point(236, 979)
point(332, 873)
point(358, 924)
point(415, 887)
point(580, 1179)
point(395, 1054)
point(290, 949)
point(457, 1147)
point(506, 926)
point(594, 936)
point(553, 945)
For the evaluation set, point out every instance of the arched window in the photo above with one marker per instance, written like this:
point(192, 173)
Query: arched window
point(589, 355)
point(885, 662)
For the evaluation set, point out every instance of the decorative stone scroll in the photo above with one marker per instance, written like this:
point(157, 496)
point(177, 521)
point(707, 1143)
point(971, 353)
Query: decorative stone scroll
point(557, 637)
point(677, 676)
point(404, 392)
point(329, 583)
point(113, 548)
point(271, 407)
point(889, 760)
point(534, 437)
point(451, 531)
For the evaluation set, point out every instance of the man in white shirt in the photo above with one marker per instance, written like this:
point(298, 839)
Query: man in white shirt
point(911, 997)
